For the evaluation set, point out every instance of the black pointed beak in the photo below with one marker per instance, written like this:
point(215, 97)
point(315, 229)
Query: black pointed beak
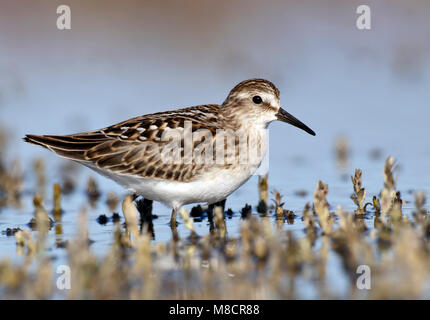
point(284, 116)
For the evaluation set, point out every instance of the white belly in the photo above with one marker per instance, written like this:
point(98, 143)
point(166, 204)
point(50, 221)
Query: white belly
point(209, 188)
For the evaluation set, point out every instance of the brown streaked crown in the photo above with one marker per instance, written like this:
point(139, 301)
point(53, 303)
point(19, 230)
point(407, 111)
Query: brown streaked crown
point(253, 85)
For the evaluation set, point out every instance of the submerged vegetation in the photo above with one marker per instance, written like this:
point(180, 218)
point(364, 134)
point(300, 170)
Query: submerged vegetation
point(265, 261)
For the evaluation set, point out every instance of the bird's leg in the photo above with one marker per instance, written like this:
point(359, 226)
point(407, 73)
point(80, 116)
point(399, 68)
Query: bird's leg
point(210, 212)
point(134, 196)
point(173, 223)
point(221, 204)
point(211, 217)
point(217, 204)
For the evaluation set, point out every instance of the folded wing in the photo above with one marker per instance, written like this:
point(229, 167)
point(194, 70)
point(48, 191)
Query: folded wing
point(133, 146)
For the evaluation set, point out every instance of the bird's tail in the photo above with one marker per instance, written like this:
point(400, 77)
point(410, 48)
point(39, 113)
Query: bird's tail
point(65, 146)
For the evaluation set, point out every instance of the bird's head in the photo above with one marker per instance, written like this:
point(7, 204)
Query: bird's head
point(257, 102)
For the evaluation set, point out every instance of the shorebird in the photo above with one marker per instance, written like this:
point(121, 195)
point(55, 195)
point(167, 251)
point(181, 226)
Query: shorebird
point(131, 152)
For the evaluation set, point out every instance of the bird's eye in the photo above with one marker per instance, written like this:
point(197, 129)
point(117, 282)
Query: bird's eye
point(257, 99)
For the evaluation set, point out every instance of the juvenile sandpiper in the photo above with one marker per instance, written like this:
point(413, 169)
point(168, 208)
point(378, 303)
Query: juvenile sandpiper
point(182, 156)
